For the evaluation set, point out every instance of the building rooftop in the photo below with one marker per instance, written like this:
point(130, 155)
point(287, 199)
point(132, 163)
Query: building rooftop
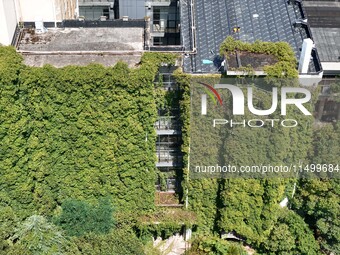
point(323, 13)
point(263, 20)
point(327, 41)
point(82, 46)
point(324, 19)
point(255, 60)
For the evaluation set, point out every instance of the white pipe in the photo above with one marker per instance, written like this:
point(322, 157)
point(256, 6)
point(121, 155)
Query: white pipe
point(77, 9)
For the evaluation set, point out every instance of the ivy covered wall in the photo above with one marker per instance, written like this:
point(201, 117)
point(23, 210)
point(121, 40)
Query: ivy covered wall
point(77, 132)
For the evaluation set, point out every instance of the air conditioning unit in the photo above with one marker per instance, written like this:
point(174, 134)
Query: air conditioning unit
point(39, 26)
point(125, 18)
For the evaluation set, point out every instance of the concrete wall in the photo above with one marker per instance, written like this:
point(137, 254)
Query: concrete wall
point(48, 10)
point(135, 9)
point(8, 21)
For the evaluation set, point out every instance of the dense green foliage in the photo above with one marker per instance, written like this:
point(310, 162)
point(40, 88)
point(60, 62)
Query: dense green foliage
point(286, 65)
point(215, 246)
point(71, 133)
point(77, 132)
point(290, 235)
point(183, 81)
point(169, 222)
point(250, 207)
point(318, 201)
point(71, 136)
point(335, 89)
point(37, 236)
point(79, 218)
point(247, 206)
point(8, 220)
point(121, 241)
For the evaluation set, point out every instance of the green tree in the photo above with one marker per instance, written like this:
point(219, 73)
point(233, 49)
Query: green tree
point(120, 241)
point(318, 200)
point(8, 221)
point(37, 236)
point(215, 246)
point(291, 235)
point(78, 217)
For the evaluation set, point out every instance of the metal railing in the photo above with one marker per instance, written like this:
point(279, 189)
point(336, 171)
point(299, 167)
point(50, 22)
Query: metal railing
point(159, 26)
point(18, 34)
point(169, 156)
point(170, 185)
point(167, 123)
point(167, 145)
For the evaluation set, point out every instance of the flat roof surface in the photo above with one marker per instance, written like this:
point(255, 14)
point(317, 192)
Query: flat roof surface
point(56, 47)
point(327, 41)
point(324, 19)
point(323, 13)
point(258, 20)
point(84, 39)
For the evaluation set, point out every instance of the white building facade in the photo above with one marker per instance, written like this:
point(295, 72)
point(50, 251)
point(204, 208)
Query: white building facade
point(8, 21)
point(14, 11)
point(47, 10)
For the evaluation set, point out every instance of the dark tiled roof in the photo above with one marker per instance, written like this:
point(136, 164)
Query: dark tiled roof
point(265, 20)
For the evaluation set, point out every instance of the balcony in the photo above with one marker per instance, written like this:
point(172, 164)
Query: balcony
point(160, 27)
point(169, 158)
point(166, 199)
point(167, 125)
point(169, 186)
